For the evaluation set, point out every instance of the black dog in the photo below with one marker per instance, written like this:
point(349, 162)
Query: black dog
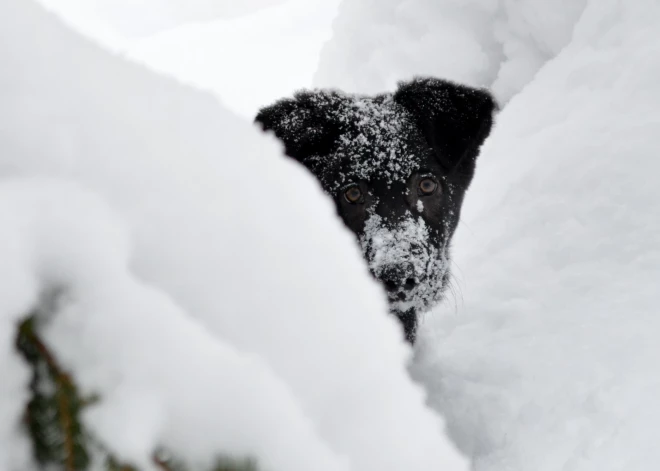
point(397, 166)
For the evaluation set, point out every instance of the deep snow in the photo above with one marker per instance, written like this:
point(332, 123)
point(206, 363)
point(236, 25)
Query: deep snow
point(547, 359)
point(199, 271)
point(496, 43)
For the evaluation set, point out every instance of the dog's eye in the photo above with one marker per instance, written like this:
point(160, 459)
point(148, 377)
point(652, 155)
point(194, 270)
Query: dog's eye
point(427, 186)
point(353, 194)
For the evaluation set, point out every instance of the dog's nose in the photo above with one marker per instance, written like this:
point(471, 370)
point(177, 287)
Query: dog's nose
point(395, 277)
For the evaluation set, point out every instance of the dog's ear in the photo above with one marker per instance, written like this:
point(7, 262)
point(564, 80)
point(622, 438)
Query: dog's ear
point(455, 119)
point(305, 123)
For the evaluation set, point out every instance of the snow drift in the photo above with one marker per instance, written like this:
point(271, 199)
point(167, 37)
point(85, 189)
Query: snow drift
point(495, 43)
point(199, 273)
point(547, 359)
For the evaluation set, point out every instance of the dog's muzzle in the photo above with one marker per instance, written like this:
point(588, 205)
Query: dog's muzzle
point(404, 257)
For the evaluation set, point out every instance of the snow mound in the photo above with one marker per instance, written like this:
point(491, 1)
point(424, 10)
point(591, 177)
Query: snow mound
point(493, 43)
point(548, 358)
point(200, 274)
point(64, 238)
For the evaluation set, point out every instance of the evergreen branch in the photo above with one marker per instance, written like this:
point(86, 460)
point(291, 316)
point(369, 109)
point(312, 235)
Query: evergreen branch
point(53, 417)
point(64, 384)
point(52, 414)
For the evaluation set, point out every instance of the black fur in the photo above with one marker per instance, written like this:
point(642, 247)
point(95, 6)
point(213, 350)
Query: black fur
point(387, 149)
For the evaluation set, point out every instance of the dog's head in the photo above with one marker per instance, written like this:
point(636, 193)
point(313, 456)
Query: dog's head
point(397, 166)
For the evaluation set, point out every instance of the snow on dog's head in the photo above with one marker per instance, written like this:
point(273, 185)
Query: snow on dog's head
point(397, 166)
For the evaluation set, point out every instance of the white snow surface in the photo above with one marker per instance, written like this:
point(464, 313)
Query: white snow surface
point(130, 18)
point(249, 61)
point(495, 43)
point(208, 291)
point(548, 358)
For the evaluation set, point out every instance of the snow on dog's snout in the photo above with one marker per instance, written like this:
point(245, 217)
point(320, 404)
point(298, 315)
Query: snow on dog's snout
point(406, 246)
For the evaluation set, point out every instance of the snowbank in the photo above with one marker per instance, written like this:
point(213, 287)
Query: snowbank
point(548, 358)
point(135, 346)
point(495, 43)
point(200, 273)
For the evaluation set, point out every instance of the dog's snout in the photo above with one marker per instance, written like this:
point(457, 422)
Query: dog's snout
point(395, 277)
